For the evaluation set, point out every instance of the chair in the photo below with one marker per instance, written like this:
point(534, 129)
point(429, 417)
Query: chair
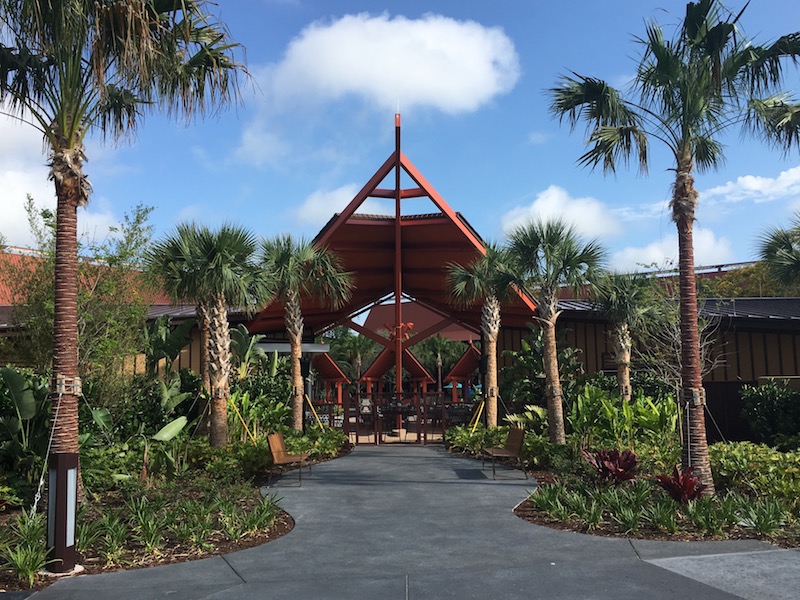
point(512, 449)
point(281, 458)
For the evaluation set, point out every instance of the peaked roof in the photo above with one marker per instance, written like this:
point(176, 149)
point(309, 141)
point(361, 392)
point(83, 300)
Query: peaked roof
point(386, 361)
point(367, 246)
point(465, 366)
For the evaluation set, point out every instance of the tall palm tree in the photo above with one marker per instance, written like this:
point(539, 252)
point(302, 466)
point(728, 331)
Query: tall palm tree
point(73, 67)
point(623, 298)
point(487, 280)
point(706, 79)
point(549, 256)
point(780, 250)
point(216, 270)
point(303, 271)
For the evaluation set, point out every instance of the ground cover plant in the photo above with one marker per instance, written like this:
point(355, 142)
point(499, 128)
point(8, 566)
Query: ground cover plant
point(154, 490)
point(619, 474)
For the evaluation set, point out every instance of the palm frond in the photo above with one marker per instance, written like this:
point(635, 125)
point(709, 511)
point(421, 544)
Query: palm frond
point(776, 119)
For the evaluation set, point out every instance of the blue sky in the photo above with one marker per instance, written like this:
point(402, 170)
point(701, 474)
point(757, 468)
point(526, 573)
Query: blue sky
point(317, 119)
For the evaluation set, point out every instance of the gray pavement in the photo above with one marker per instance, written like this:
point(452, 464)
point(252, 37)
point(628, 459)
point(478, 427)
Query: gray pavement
point(412, 522)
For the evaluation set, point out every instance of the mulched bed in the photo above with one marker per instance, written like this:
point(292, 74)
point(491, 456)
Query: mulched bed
point(282, 525)
point(527, 512)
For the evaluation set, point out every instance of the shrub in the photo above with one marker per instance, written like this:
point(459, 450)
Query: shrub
point(682, 485)
point(771, 410)
point(612, 466)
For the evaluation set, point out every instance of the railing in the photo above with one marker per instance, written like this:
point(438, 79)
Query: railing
point(375, 419)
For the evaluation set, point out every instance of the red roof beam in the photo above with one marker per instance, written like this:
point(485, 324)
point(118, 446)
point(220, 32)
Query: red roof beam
point(409, 193)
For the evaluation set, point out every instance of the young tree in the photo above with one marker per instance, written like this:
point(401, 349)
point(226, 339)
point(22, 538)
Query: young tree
point(216, 270)
point(488, 281)
point(548, 256)
point(73, 67)
point(707, 78)
point(302, 271)
point(624, 301)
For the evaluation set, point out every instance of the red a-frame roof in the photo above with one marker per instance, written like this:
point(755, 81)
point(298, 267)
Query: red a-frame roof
point(368, 247)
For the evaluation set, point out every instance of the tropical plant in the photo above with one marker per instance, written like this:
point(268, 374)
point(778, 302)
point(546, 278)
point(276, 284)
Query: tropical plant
point(623, 300)
point(351, 351)
point(523, 377)
point(547, 256)
point(487, 280)
point(302, 272)
point(75, 67)
point(780, 250)
point(682, 484)
point(24, 429)
point(217, 270)
point(246, 356)
point(612, 466)
point(164, 342)
point(772, 411)
point(706, 79)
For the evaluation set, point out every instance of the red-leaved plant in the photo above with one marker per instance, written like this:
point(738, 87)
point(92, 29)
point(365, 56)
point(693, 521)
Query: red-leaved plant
point(612, 466)
point(682, 485)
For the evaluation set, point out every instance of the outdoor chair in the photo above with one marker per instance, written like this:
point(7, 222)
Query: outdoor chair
point(282, 459)
point(512, 449)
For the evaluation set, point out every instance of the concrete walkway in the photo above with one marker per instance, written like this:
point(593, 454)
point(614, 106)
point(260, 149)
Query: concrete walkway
point(417, 522)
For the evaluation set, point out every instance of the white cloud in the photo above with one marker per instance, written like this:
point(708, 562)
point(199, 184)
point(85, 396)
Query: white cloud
point(708, 250)
point(588, 215)
point(756, 188)
point(23, 171)
point(260, 146)
point(453, 66)
point(320, 206)
point(537, 137)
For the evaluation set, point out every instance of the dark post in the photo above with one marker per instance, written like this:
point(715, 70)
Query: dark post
point(62, 503)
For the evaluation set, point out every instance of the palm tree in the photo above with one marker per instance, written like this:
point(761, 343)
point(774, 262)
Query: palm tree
point(487, 280)
point(354, 350)
point(623, 298)
point(706, 79)
point(302, 271)
point(780, 251)
point(216, 270)
point(548, 256)
point(84, 65)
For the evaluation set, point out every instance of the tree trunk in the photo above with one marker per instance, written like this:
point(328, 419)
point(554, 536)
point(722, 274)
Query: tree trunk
point(555, 411)
point(204, 426)
point(65, 325)
point(621, 344)
point(72, 190)
point(219, 367)
point(490, 323)
point(294, 329)
point(695, 447)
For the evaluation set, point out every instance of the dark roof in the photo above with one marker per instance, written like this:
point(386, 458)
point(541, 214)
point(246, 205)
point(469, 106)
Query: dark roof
point(755, 309)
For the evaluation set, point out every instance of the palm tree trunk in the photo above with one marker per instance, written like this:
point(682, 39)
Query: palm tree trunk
point(695, 447)
point(204, 426)
point(490, 322)
point(219, 366)
point(65, 325)
point(294, 329)
point(621, 344)
point(555, 412)
point(72, 190)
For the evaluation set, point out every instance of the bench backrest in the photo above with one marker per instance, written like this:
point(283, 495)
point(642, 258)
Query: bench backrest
point(515, 441)
point(277, 446)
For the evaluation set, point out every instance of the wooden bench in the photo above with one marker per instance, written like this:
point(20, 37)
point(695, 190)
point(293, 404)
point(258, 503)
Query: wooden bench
point(512, 449)
point(281, 458)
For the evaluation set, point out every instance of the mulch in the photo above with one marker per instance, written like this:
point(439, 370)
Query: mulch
point(528, 512)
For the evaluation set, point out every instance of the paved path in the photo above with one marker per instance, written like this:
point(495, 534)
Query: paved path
point(417, 523)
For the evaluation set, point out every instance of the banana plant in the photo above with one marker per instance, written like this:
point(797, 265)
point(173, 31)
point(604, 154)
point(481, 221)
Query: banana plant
point(246, 353)
point(24, 433)
point(162, 341)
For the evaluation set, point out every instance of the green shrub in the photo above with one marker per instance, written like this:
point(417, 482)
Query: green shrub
point(463, 438)
point(756, 470)
point(772, 410)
